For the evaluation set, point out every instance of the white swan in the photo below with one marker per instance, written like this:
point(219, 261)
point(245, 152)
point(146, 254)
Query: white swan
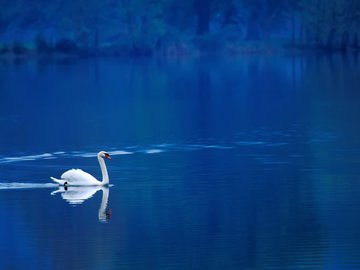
point(77, 177)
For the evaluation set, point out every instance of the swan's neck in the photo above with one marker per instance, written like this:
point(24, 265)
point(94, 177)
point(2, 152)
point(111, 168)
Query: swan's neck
point(105, 176)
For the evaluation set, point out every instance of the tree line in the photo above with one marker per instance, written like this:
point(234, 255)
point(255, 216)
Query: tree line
point(170, 26)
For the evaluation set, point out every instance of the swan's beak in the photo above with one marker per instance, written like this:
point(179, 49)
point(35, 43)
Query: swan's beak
point(107, 156)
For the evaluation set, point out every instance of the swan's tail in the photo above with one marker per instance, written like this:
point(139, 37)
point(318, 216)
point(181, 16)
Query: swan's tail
point(59, 181)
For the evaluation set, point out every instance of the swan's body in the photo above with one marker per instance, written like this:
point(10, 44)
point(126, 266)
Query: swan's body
point(77, 177)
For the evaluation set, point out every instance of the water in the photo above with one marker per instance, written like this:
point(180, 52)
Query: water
point(241, 163)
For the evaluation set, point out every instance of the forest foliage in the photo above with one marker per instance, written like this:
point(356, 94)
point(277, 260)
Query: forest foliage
point(144, 27)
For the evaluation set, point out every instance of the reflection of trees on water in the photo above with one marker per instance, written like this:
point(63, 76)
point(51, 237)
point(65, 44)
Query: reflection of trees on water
point(212, 207)
point(332, 109)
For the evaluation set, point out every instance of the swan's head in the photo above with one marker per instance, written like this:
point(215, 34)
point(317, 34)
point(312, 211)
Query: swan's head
point(103, 154)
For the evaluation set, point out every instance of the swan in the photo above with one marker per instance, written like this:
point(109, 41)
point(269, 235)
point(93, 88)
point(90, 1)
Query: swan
point(77, 177)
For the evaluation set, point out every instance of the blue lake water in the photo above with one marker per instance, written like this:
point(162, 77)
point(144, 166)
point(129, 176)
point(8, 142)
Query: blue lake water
point(232, 163)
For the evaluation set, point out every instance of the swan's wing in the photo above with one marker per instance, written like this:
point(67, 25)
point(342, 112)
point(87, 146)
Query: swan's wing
point(79, 177)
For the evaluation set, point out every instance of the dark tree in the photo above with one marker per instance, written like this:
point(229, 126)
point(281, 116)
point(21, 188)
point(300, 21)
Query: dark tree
point(203, 13)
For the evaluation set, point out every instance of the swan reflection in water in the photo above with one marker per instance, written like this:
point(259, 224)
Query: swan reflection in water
point(77, 195)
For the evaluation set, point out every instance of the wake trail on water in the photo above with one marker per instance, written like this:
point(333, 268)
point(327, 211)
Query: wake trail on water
point(26, 185)
point(153, 149)
point(260, 139)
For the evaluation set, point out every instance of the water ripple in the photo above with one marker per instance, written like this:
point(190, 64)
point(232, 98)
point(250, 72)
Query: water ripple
point(26, 185)
point(25, 158)
point(153, 151)
point(259, 141)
